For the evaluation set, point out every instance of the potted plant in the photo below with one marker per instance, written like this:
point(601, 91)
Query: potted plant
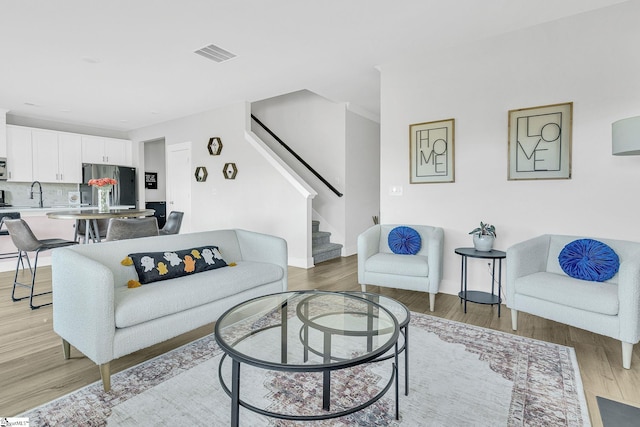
point(483, 237)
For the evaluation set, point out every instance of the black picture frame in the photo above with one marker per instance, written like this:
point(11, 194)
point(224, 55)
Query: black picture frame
point(151, 180)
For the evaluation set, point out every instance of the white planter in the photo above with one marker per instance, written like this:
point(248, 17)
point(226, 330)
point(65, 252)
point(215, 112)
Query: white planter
point(483, 243)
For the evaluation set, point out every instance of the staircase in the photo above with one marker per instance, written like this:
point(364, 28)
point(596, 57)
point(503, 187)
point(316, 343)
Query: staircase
point(322, 248)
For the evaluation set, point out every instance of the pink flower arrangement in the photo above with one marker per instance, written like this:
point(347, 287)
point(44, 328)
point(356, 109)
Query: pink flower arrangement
point(101, 182)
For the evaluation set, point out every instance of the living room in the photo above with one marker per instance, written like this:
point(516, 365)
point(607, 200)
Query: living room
point(585, 58)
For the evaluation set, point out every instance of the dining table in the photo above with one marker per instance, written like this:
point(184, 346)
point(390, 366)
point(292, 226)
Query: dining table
point(91, 216)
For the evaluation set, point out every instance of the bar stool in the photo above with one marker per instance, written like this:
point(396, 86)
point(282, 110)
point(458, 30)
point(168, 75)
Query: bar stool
point(3, 216)
point(26, 241)
point(174, 221)
point(131, 228)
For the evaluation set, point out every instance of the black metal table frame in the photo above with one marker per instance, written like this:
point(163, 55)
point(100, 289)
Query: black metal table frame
point(238, 358)
point(404, 330)
point(481, 297)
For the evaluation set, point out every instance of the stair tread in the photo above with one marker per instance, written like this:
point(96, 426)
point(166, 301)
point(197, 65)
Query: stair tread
point(326, 247)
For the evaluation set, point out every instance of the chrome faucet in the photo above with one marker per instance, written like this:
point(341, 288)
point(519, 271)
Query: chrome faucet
point(31, 192)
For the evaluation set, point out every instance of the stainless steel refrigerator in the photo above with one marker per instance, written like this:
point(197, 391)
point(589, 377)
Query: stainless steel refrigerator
point(122, 194)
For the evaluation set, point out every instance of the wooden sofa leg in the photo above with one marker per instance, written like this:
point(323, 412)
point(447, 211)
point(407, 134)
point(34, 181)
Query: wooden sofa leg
point(106, 376)
point(627, 350)
point(514, 319)
point(432, 301)
point(66, 349)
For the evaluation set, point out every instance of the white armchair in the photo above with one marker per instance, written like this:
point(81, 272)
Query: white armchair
point(378, 265)
point(536, 284)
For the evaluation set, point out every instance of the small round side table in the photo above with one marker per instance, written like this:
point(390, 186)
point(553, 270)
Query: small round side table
point(481, 297)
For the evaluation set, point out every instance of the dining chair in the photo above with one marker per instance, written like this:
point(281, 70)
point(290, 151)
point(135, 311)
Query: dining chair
point(131, 228)
point(81, 230)
point(24, 239)
point(174, 221)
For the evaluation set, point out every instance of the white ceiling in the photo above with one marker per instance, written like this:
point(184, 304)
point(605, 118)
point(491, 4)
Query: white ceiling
point(126, 64)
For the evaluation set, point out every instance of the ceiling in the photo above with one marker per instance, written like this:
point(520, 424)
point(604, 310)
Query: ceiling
point(127, 64)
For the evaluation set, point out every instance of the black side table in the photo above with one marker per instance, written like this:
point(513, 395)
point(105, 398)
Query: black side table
point(479, 296)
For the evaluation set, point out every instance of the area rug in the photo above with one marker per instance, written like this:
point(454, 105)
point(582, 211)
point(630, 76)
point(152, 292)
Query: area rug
point(617, 414)
point(460, 375)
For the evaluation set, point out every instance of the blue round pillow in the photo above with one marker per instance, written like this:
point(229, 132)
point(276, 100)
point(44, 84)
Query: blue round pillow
point(404, 240)
point(589, 259)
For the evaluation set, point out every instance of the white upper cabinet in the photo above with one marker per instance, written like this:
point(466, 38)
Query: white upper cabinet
point(56, 157)
point(110, 151)
point(70, 157)
point(19, 154)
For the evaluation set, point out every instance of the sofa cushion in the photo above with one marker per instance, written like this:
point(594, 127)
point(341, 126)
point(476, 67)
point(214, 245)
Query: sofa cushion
point(389, 263)
point(589, 259)
point(563, 290)
point(157, 266)
point(155, 300)
point(404, 240)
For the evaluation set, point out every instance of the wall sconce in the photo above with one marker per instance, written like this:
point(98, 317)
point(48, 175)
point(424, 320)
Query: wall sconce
point(230, 171)
point(214, 146)
point(625, 137)
point(201, 174)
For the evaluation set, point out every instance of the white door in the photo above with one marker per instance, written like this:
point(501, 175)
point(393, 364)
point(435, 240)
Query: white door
point(179, 182)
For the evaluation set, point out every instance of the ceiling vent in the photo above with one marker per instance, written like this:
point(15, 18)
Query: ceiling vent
point(215, 53)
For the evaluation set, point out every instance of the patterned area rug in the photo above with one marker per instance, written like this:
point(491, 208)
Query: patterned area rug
point(460, 375)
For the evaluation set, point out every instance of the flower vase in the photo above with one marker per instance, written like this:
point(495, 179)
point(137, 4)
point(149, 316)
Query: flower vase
point(103, 198)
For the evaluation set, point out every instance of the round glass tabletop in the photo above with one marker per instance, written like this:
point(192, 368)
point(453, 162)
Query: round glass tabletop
point(309, 330)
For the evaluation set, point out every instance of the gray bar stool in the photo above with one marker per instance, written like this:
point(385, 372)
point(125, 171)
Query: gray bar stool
point(4, 216)
point(26, 241)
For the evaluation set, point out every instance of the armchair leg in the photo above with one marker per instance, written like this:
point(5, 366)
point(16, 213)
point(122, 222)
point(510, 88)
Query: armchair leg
point(627, 350)
point(514, 319)
point(432, 301)
point(105, 374)
point(363, 288)
point(66, 349)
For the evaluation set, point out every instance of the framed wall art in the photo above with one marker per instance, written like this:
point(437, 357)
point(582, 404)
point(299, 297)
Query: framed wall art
point(431, 147)
point(540, 142)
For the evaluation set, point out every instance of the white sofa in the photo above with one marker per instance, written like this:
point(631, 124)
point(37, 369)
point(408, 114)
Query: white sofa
point(378, 265)
point(95, 311)
point(536, 284)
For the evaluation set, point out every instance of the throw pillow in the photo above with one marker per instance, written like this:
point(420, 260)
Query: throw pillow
point(404, 240)
point(589, 259)
point(156, 266)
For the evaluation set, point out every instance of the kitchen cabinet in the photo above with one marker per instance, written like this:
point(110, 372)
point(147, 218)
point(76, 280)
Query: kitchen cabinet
point(19, 154)
point(57, 156)
point(112, 151)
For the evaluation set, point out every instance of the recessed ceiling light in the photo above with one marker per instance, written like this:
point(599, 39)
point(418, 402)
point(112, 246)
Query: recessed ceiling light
point(90, 60)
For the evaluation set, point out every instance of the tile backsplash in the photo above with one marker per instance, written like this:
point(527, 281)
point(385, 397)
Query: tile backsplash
point(17, 193)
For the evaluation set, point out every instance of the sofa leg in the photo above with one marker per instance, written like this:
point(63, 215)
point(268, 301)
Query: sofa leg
point(432, 301)
point(106, 376)
point(363, 288)
point(514, 319)
point(627, 350)
point(66, 349)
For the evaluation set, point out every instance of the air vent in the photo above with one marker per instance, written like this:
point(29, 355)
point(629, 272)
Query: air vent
point(215, 53)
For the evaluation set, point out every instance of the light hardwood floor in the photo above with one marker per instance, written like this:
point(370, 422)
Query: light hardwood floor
point(33, 370)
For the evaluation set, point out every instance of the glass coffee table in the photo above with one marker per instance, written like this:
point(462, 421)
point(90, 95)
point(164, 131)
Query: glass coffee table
point(309, 332)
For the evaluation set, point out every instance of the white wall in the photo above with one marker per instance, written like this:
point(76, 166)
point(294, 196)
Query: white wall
point(590, 60)
point(362, 177)
point(259, 199)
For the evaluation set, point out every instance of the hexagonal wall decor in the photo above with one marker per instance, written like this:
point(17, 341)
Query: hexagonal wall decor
point(230, 171)
point(215, 146)
point(201, 174)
